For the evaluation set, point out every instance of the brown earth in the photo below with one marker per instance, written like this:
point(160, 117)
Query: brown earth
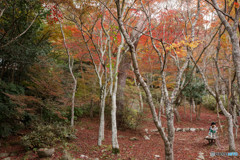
point(187, 145)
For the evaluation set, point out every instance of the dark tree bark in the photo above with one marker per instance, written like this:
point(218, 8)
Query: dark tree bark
point(124, 68)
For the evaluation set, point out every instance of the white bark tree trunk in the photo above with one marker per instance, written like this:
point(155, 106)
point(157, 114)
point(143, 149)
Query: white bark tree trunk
point(70, 66)
point(231, 140)
point(113, 93)
point(193, 106)
point(115, 146)
point(102, 120)
point(233, 33)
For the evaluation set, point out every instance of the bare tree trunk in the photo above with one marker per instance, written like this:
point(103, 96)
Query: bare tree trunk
point(219, 121)
point(194, 106)
point(199, 112)
point(70, 66)
point(235, 121)
point(113, 93)
point(233, 33)
point(124, 67)
point(115, 146)
point(191, 108)
point(140, 100)
point(231, 135)
point(231, 140)
point(178, 118)
point(185, 104)
point(102, 110)
point(139, 93)
point(169, 152)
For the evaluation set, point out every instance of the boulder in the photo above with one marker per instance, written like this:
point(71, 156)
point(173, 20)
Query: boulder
point(187, 129)
point(45, 152)
point(192, 129)
point(200, 156)
point(146, 137)
point(83, 156)
point(13, 154)
point(154, 130)
point(157, 156)
point(133, 139)
point(66, 156)
point(4, 155)
point(178, 129)
point(146, 130)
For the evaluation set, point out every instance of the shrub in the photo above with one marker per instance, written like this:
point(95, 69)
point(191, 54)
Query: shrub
point(210, 102)
point(47, 136)
point(84, 111)
point(132, 118)
point(10, 115)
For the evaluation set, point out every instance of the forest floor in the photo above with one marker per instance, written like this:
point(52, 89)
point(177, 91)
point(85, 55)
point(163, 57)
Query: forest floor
point(187, 145)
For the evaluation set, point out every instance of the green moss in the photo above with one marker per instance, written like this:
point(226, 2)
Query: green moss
point(115, 150)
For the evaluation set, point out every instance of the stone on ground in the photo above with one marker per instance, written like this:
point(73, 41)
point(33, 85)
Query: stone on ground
point(133, 139)
point(192, 129)
point(146, 137)
point(4, 155)
point(45, 152)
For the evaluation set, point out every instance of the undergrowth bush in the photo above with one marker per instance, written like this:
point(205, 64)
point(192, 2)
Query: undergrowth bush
point(210, 102)
point(132, 118)
point(47, 136)
point(84, 111)
point(10, 117)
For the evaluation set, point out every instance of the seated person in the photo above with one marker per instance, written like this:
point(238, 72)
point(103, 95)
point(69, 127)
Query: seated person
point(212, 131)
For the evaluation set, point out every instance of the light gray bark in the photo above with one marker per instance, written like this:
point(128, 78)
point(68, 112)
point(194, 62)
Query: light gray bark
point(113, 93)
point(139, 94)
point(233, 33)
point(102, 120)
point(231, 140)
point(70, 66)
point(99, 69)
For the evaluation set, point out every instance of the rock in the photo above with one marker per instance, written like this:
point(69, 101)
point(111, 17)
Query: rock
point(45, 152)
point(201, 155)
point(121, 136)
point(83, 156)
point(157, 156)
point(178, 129)
point(8, 158)
point(192, 129)
point(13, 154)
point(66, 156)
point(187, 129)
point(146, 137)
point(4, 155)
point(146, 130)
point(154, 130)
point(133, 139)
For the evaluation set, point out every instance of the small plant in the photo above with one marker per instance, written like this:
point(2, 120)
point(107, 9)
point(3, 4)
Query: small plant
point(132, 118)
point(47, 136)
point(210, 102)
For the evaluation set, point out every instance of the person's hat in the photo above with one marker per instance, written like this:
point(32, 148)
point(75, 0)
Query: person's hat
point(213, 123)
